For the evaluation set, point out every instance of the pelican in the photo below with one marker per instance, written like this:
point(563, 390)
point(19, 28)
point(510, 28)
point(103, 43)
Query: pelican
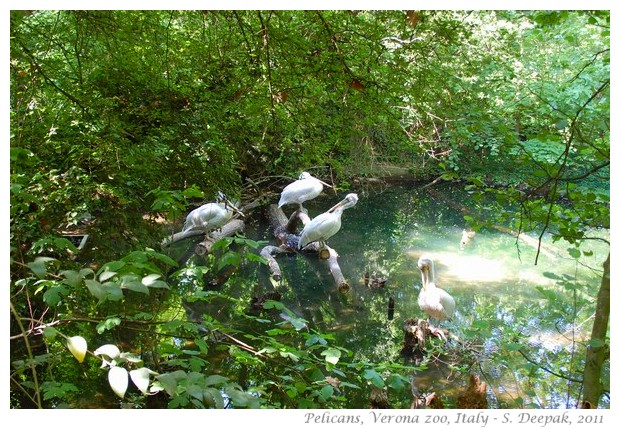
point(326, 224)
point(303, 189)
point(435, 301)
point(211, 216)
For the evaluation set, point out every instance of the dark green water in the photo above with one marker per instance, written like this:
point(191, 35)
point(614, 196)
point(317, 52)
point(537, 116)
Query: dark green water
point(493, 280)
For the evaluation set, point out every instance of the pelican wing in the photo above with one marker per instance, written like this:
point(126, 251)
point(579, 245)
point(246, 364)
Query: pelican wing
point(300, 191)
point(211, 216)
point(447, 303)
point(320, 228)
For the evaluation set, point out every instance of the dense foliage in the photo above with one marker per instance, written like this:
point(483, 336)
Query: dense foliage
point(118, 117)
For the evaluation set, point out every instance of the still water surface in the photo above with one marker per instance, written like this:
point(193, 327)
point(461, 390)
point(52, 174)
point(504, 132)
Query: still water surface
point(494, 279)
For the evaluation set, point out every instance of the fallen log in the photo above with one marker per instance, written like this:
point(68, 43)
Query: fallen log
point(231, 228)
point(180, 236)
point(283, 229)
point(194, 232)
point(334, 268)
point(269, 253)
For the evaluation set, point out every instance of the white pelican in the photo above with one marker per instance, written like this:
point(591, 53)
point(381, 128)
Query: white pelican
point(211, 216)
point(435, 301)
point(303, 189)
point(326, 224)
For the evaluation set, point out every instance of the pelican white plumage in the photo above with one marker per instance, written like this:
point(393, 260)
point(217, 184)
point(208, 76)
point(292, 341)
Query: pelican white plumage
point(436, 302)
point(326, 224)
point(303, 189)
point(211, 216)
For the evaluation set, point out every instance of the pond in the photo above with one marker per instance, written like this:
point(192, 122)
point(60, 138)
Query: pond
point(504, 301)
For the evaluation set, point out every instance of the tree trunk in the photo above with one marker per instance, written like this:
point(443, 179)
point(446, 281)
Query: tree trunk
point(598, 351)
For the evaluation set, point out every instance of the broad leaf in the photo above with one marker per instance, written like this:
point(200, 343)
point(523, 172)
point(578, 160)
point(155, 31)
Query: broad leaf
point(54, 295)
point(375, 378)
point(326, 392)
point(108, 324)
point(109, 350)
point(117, 377)
point(77, 346)
point(148, 280)
point(215, 379)
point(141, 378)
point(331, 355)
point(106, 275)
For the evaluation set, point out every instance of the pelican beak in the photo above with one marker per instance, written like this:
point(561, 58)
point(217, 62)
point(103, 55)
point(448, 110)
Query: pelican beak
point(233, 208)
point(424, 271)
point(326, 184)
point(340, 204)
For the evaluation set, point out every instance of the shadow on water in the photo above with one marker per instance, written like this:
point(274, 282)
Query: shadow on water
point(498, 289)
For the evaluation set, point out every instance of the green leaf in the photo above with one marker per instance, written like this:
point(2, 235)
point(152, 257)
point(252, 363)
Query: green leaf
point(215, 379)
point(38, 266)
point(72, 278)
point(374, 377)
point(95, 289)
point(575, 253)
point(513, 347)
point(50, 333)
point(58, 390)
point(331, 355)
point(170, 381)
point(112, 291)
point(596, 343)
point(229, 258)
point(112, 266)
point(326, 392)
point(314, 339)
point(273, 304)
point(396, 382)
point(108, 324)
point(133, 283)
point(213, 396)
point(54, 295)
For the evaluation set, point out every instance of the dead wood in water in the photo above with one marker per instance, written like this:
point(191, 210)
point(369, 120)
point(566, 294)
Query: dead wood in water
point(283, 229)
point(269, 253)
point(416, 332)
point(231, 228)
point(474, 396)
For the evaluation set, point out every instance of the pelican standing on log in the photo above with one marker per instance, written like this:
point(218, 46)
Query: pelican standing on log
point(326, 224)
point(211, 216)
point(436, 302)
point(303, 189)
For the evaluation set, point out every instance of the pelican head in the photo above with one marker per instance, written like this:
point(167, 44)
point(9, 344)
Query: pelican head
point(427, 270)
point(349, 201)
point(223, 199)
point(305, 175)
